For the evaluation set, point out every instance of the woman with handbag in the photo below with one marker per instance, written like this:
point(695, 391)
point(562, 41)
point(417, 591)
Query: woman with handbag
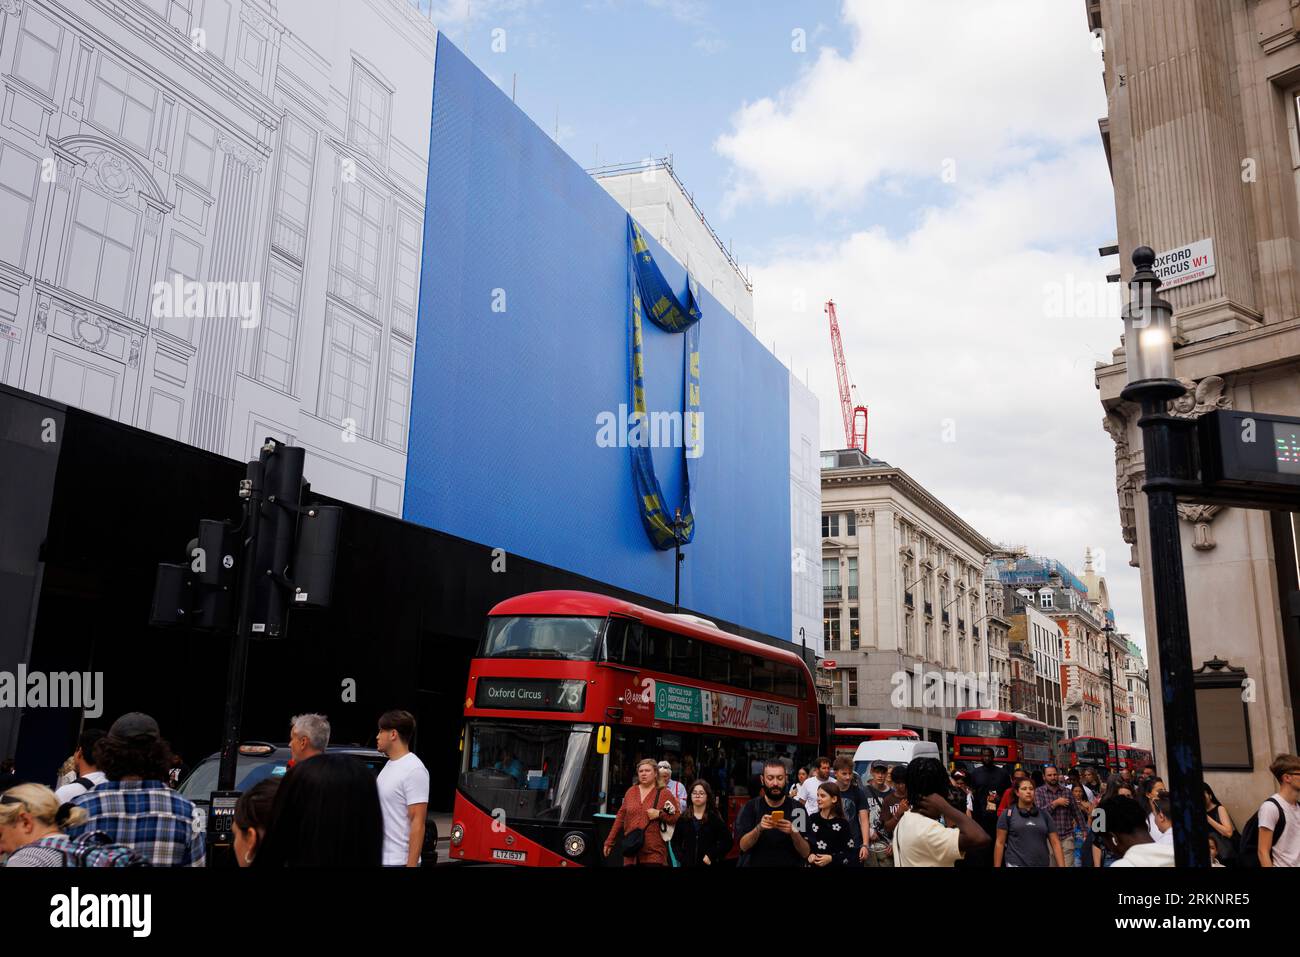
point(638, 826)
point(702, 838)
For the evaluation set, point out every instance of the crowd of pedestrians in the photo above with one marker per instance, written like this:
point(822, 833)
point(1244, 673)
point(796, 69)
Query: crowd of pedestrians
point(116, 805)
point(922, 815)
point(327, 809)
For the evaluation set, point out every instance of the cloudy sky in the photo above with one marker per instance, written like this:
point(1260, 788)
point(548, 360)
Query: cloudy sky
point(933, 166)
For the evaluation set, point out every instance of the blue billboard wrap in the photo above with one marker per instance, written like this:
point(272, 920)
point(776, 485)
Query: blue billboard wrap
point(519, 422)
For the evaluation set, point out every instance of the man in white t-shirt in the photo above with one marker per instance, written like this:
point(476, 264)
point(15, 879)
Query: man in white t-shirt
point(920, 839)
point(88, 774)
point(403, 790)
point(1284, 852)
point(808, 790)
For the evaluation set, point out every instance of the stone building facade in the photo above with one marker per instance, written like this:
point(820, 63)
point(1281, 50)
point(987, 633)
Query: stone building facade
point(904, 600)
point(1202, 134)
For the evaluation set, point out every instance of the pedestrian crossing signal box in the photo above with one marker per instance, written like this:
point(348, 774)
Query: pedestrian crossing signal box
point(221, 818)
point(1250, 459)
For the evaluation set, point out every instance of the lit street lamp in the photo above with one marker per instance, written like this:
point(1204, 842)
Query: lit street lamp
point(1167, 451)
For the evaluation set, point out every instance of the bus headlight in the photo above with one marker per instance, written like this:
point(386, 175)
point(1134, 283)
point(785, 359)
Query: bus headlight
point(575, 844)
point(457, 834)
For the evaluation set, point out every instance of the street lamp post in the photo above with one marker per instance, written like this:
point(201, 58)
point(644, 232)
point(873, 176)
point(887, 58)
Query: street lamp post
point(1166, 441)
point(1109, 630)
point(678, 558)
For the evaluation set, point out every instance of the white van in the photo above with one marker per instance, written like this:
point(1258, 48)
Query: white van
point(891, 752)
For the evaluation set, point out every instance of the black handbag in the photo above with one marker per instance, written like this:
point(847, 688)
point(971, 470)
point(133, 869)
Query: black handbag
point(633, 841)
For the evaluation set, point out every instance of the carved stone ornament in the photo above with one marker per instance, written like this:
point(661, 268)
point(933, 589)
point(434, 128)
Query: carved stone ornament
point(134, 359)
point(12, 6)
point(89, 332)
point(1200, 397)
point(113, 173)
point(239, 152)
point(42, 314)
point(1200, 516)
point(1126, 485)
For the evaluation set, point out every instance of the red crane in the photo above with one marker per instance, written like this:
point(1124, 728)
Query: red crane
point(856, 439)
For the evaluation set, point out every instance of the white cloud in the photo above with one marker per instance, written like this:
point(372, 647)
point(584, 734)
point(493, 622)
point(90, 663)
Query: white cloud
point(987, 85)
point(957, 327)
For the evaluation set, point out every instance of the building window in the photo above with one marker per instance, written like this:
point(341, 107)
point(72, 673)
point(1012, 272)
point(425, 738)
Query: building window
point(406, 281)
point(294, 186)
point(851, 522)
point(19, 174)
point(853, 578)
point(1132, 730)
point(184, 259)
point(175, 12)
point(398, 412)
point(830, 579)
point(278, 330)
point(199, 151)
point(854, 631)
point(349, 367)
point(99, 254)
point(831, 629)
point(361, 221)
point(830, 525)
point(368, 114)
point(123, 105)
point(846, 688)
point(37, 58)
point(1045, 599)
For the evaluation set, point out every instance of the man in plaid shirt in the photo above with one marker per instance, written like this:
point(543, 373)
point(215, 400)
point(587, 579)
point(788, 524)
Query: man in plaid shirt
point(1059, 804)
point(135, 806)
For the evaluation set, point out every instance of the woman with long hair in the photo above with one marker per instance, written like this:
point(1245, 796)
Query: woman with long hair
point(1223, 833)
point(830, 838)
point(326, 814)
point(31, 830)
point(702, 838)
point(252, 817)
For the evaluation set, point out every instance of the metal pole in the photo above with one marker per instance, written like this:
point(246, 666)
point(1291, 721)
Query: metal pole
point(239, 643)
point(677, 559)
point(1173, 638)
point(1110, 676)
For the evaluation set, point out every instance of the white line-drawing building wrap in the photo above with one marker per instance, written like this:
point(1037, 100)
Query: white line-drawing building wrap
point(278, 146)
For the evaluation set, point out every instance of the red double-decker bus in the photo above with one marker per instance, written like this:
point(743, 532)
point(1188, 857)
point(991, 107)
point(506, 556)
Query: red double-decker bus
point(1084, 752)
point(845, 741)
point(570, 689)
point(1128, 756)
point(1016, 740)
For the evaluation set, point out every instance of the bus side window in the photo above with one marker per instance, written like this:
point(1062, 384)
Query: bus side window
point(655, 650)
point(623, 641)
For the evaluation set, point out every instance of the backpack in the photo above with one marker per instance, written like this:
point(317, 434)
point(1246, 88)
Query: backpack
point(1248, 854)
point(94, 849)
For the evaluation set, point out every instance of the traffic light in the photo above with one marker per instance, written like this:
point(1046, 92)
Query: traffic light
point(290, 549)
point(199, 592)
point(280, 469)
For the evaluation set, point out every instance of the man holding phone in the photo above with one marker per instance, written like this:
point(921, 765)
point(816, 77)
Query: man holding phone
point(769, 829)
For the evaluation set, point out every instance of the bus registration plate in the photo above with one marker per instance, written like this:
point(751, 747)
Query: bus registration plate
point(517, 857)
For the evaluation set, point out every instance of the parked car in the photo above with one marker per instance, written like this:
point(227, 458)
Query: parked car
point(259, 760)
